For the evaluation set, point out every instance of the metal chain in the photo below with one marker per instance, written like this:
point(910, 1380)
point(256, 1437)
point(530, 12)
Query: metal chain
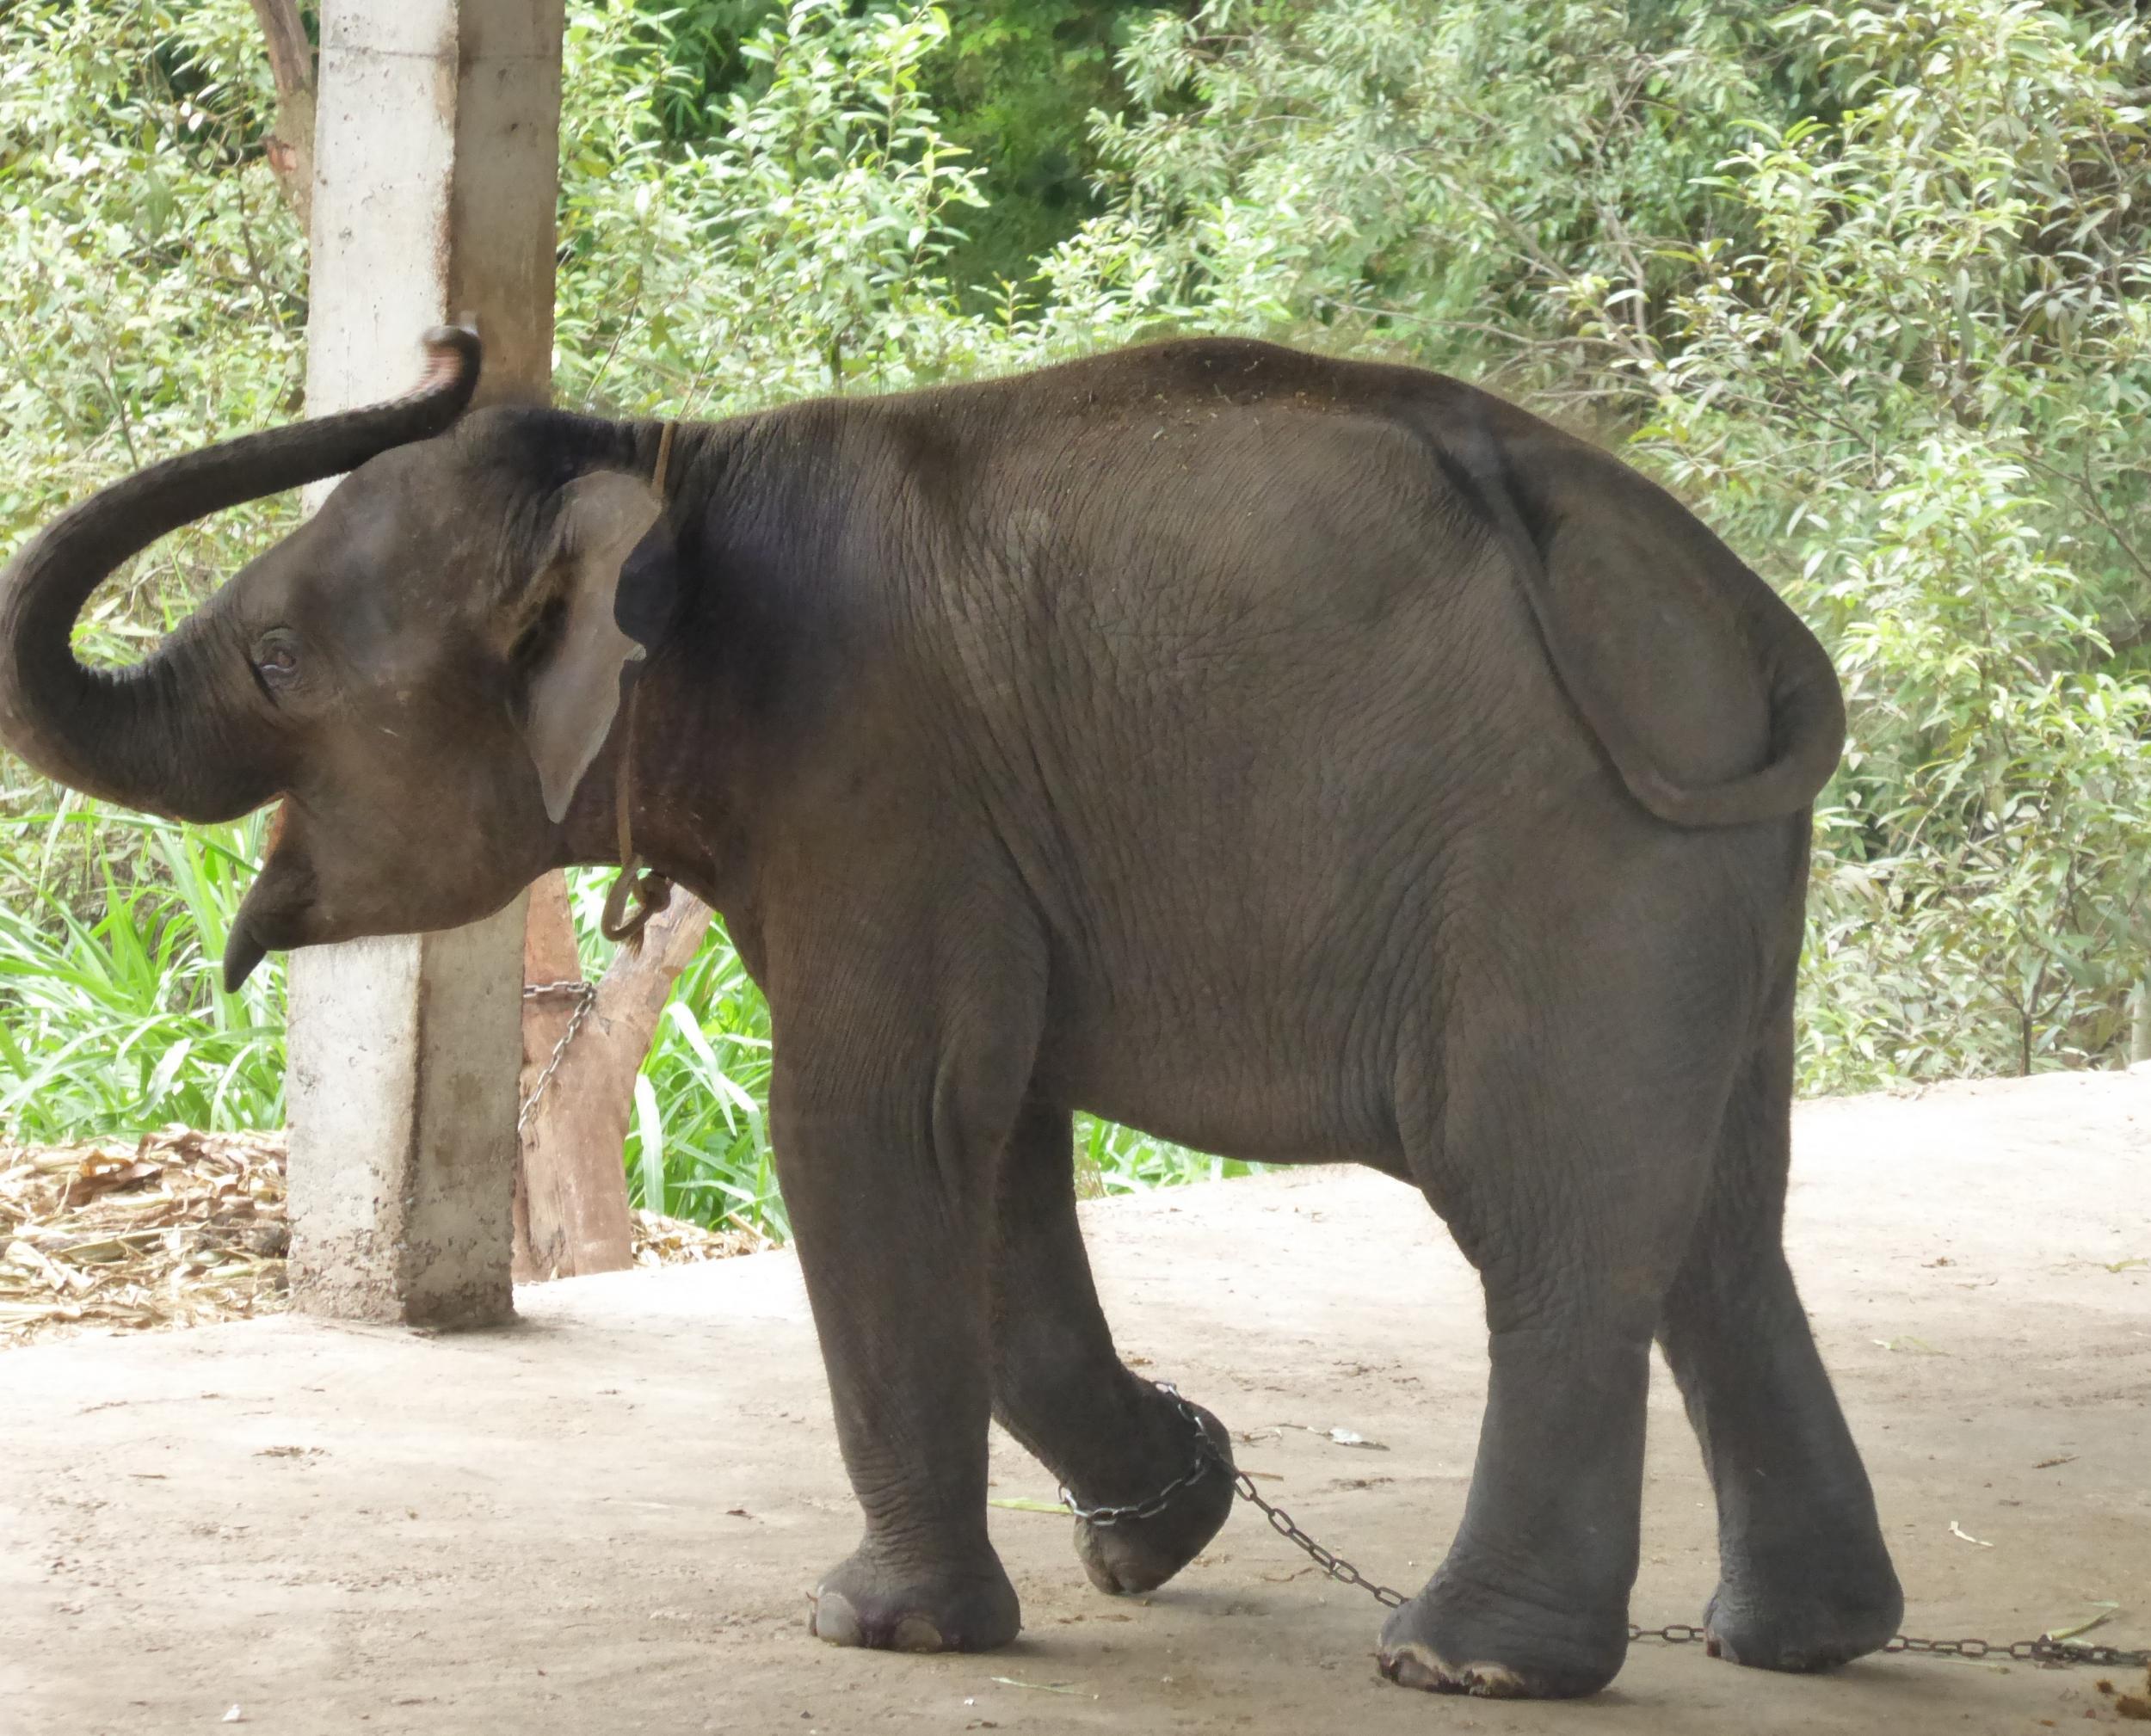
point(1335, 1566)
point(1107, 1516)
point(1206, 1457)
point(585, 995)
point(2041, 1650)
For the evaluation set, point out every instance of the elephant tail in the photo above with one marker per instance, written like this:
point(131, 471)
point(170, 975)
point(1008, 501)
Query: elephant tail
point(1807, 716)
point(1675, 653)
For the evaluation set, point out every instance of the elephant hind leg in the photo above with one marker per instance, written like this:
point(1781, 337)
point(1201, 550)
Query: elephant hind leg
point(1060, 1387)
point(1805, 1579)
point(1567, 1159)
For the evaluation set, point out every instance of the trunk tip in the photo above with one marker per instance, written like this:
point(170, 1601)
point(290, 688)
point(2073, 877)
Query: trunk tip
point(454, 357)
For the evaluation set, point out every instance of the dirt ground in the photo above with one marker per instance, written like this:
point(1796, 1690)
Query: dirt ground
point(607, 1517)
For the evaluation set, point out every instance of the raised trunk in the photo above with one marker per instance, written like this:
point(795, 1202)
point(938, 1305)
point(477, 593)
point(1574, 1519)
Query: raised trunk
point(148, 737)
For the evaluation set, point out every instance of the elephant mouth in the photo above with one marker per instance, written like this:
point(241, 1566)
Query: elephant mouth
point(255, 935)
point(275, 913)
point(310, 892)
point(243, 949)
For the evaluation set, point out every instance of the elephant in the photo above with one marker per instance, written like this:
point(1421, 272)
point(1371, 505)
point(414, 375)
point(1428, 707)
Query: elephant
point(1299, 758)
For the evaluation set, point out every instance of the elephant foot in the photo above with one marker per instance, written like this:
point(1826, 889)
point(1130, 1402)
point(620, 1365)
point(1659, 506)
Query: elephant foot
point(865, 1603)
point(1132, 1555)
point(1457, 1637)
point(1806, 1620)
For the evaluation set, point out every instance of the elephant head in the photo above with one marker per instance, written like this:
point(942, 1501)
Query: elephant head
point(422, 672)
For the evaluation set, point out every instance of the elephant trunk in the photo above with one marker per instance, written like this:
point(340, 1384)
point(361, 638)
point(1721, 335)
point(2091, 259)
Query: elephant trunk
point(152, 736)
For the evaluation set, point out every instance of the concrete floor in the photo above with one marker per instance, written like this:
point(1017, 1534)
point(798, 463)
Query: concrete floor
point(606, 1517)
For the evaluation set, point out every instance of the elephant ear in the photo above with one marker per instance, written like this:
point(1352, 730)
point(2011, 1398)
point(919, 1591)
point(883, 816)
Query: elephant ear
point(614, 584)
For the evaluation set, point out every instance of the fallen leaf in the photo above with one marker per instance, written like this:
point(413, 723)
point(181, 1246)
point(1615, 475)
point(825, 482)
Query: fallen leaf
point(100, 1173)
point(2107, 1611)
point(30, 1259)
point(2049, 1464)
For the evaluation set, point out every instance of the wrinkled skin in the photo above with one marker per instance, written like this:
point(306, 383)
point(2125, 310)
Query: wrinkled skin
point(1299, 759)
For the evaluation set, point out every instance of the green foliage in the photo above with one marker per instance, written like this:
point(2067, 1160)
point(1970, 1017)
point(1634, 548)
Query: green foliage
point(1920, 393)
point(1406, 173)
point(1867, 286)
point(113, 1015)
point(1015, 83)
point(798, 252)
point(151, 280)
point(1017, 89)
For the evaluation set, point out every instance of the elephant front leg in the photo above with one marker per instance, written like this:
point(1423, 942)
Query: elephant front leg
point(891, 1231)
point(1113, 1439)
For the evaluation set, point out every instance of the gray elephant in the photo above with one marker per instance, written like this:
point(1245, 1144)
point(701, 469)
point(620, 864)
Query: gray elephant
point(1299, 759)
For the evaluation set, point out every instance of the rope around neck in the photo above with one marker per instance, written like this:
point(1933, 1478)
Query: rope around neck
point(650, 890)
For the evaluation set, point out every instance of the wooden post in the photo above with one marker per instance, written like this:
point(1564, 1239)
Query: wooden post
point(570, 1192)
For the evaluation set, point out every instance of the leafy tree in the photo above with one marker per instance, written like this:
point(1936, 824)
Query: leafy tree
point(800, 250)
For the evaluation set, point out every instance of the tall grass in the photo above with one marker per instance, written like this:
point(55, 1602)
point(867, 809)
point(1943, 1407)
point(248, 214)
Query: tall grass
point(113, 1019)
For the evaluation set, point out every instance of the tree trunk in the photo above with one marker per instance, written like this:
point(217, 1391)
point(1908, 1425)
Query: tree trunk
point(291, 144)
point(2140, 1029)
point(570, 1190)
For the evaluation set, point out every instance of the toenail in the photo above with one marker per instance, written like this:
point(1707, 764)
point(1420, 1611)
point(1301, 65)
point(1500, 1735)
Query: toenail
point(916, 1634)
point(835, 1620)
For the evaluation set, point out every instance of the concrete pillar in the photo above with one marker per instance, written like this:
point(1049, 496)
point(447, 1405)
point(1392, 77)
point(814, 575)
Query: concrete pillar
point(436, 153)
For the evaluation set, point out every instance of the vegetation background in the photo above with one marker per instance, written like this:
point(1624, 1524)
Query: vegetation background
point(1869, 286)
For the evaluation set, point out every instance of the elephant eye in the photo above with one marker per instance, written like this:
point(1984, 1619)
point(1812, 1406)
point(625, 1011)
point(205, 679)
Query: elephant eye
point(276, 660)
